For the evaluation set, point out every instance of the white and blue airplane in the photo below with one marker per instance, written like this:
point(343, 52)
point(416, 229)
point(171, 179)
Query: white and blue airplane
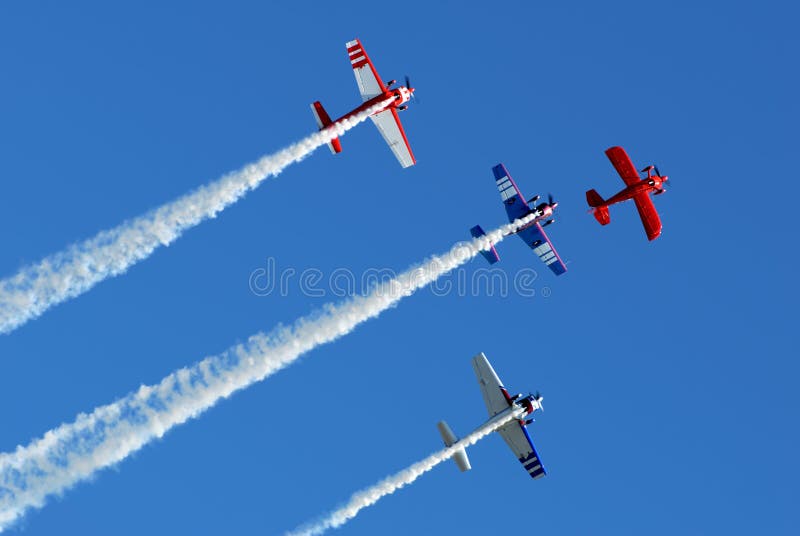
point(500, 404)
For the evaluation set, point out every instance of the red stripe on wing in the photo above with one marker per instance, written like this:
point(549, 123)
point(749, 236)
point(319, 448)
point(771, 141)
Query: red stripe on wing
point(403, 133)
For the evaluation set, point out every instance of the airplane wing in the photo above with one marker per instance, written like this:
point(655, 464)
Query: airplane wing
point(516, 205)
point(537, 239)
point(622, 163)
point(648, 214)
point(517, 438)
point(369, 83)
point(491, 388)
point(388, 122)
point(514, 434)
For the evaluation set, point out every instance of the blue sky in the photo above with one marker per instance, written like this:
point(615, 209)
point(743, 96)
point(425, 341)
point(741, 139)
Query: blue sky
point(667, 367)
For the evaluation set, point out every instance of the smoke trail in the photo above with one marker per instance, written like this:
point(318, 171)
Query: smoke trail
point(387, 486)
point(72, 272)
point(75, 451)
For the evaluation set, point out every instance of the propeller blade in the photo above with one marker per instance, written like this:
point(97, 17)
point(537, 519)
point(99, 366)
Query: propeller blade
point(408, 85)
point(657, 171)
point(550, 199)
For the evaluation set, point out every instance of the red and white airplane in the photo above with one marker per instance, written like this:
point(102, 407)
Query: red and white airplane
point(374, 91)
point(636, 188)
point(500, 404)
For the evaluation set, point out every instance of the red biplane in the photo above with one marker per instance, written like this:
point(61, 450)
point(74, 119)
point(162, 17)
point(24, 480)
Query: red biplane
point(636, 188)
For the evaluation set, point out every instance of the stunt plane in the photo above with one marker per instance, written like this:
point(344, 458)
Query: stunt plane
point(500, 404)
point(374, 91)
point(533, 233)
point(636, 188)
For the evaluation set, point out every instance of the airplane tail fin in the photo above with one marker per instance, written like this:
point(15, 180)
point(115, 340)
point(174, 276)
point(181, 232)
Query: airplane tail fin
point(600, 209)
point(324, 120)
point(449, 438)
point(594, 199)
point(490, 255)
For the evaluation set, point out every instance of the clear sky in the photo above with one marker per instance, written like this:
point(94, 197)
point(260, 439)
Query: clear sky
point(666, 367)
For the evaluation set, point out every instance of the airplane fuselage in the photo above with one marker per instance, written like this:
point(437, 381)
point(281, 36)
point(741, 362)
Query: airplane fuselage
point(654, 183)
point(400, 95)
point(517, 411)
point(543, 211)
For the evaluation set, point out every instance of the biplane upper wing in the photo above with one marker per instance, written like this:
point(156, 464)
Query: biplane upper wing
point(388, 123)
point(648, 214)
point(369, 83)
point(622, 163)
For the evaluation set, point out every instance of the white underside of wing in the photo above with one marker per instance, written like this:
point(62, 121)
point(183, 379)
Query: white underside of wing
point(515, 438)
point(490, 385)
point(367, 83)
point(390, 130)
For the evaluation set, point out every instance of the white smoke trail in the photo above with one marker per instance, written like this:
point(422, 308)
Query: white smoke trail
point(75, 451)
point(369, 496)
point(80, 267)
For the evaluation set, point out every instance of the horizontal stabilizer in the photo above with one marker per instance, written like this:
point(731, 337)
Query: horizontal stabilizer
point(601, 215)
point(324, 120)
point(449, 438)
point(490, 255)
point(600, 211)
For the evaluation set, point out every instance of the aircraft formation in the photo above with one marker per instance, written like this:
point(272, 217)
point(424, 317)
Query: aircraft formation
point(509, 415)
point(639, 189)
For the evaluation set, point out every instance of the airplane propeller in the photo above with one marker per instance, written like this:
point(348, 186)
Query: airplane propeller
point(660, 175)
point(538, 398)
point(408, 85)
point(550, 200)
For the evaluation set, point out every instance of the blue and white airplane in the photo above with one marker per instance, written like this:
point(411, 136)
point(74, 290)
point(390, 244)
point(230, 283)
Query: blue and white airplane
point(500, 404)
point(532, 234)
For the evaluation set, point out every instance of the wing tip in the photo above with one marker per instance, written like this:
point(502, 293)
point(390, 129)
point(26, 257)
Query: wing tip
point(499, 171)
